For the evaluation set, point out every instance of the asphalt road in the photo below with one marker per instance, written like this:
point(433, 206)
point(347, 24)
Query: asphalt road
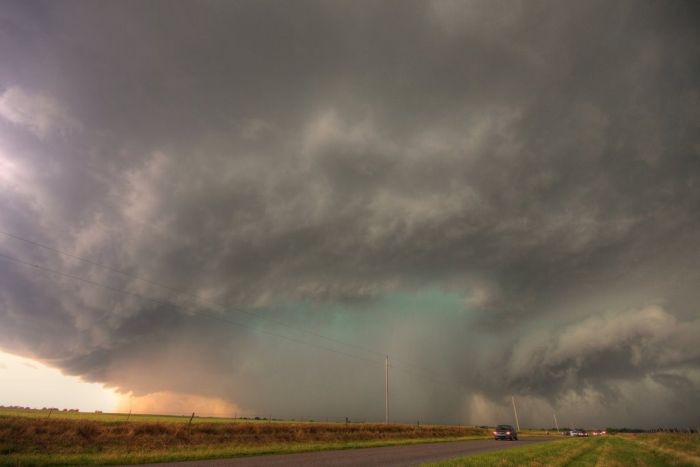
point(368, 457)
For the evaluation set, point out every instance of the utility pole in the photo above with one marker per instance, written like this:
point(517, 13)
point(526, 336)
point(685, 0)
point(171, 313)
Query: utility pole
point(386, 390)
point(517, 423)
point(555, 422)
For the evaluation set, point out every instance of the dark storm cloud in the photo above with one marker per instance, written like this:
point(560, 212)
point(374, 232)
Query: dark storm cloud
point(537, 163)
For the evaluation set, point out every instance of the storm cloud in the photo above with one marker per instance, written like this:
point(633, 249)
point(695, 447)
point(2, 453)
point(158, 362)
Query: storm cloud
point(252, 202)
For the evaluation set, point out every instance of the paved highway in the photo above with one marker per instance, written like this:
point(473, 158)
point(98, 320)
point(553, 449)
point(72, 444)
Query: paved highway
point(389, 456)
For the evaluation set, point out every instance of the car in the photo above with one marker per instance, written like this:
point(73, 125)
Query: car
point(505, 432)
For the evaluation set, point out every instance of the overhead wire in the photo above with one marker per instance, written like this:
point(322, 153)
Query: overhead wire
point(169, 304)
point(212, 315)
point(105, 179)
point(211, 302)
point(395, 363)
point(86, 167)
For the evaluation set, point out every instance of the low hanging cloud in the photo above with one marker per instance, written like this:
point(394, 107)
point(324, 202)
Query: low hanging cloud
point(502, 197)
point(624, 345)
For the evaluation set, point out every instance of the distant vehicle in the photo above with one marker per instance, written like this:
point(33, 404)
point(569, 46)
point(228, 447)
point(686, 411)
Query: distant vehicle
point(505, 432)
point(578, 432)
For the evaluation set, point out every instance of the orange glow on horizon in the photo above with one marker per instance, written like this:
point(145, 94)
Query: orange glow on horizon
point(173, 403)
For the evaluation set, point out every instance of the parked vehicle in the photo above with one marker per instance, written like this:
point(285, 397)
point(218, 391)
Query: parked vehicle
point(505, 432)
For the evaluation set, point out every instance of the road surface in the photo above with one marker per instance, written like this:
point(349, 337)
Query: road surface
point(393, 456)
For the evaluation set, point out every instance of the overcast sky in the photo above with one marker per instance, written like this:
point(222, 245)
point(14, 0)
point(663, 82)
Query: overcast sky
point(245, 205)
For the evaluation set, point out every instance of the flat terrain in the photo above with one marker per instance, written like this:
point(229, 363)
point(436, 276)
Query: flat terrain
point(392, 456)
point(606, 451)
point(122, 417)
point(37, 438)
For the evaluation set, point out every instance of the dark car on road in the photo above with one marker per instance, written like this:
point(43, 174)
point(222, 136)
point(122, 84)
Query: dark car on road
point(505, 432)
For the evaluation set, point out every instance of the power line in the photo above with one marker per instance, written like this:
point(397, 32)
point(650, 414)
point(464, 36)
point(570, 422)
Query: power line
point(209, 314)
point(205, 301)
point(206, 311)
point(86, 167)
point(185, 294)
point(401, 363)
point(168, 304)
point(103, 178)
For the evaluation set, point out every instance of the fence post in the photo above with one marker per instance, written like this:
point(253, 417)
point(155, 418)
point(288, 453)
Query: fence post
point(190, 422)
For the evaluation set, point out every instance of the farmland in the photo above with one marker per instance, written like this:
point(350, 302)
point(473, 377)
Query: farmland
point(37, 438)
point(620, 450)
point(119, 417)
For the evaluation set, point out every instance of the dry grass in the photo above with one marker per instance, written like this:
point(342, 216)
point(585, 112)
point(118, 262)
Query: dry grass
point(22, 437)
point(685, 447)
point(118, 417)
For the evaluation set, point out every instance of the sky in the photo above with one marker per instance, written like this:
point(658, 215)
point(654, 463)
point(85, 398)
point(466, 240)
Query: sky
point(27, 383)
point(241, 208)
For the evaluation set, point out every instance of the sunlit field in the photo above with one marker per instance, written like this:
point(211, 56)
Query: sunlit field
point(122, 417)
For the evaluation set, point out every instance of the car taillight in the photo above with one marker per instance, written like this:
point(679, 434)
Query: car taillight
point(507, 432)
point(495, 433)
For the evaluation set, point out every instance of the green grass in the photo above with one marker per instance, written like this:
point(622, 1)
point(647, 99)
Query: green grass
point(547, 453)
point(606, 451)
point(685, 447)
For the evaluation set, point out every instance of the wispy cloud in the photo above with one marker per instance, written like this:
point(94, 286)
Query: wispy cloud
point(38, 113)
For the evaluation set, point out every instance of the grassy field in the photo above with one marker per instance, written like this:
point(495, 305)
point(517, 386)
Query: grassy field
point(33, 438)
point(605, 451)
point(120, 417)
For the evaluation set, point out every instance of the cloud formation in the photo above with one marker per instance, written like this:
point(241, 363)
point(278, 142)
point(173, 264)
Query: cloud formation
point(506, 194)
point(37, 113)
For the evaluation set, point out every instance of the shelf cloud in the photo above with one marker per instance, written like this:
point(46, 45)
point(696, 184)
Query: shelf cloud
point(246, 205)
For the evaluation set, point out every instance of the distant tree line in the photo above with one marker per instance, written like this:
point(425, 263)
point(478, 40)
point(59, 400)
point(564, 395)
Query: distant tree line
point(653, 430)
point(631, 430)
point(19, 407)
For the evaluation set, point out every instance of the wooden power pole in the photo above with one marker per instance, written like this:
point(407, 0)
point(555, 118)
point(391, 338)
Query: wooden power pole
point(386, 390)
